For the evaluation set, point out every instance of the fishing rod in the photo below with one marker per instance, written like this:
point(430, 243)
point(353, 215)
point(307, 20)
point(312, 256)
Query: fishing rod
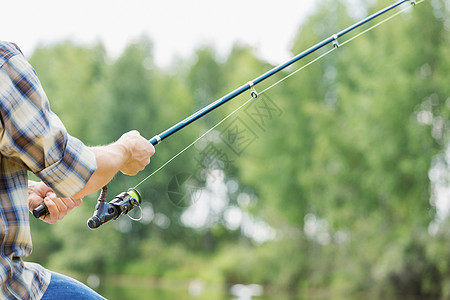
point(126, 201)
point(250, 85)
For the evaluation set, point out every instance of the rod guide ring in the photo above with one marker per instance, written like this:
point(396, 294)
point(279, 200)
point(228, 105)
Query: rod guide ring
point(335, 41)
point(253, 91)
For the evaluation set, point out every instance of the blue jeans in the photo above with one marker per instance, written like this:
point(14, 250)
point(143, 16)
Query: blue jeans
point(63, 287)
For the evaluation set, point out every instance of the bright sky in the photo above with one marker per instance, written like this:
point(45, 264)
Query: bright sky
point(177, 27)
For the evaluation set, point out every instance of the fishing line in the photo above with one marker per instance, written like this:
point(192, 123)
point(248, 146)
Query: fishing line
point(381, 22)
point(193, 143)
point(273, 85)
point(344, 43)
point(227, 117)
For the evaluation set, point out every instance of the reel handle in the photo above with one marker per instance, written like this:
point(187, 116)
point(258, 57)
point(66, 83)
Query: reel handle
point(40, 211)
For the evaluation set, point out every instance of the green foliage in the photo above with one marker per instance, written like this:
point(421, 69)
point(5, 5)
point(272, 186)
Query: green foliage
point(344, 174)
point(74, 80)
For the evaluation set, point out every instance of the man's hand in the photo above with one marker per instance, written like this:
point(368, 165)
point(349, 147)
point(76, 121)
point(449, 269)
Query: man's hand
point(139, 151)
point(58, 208)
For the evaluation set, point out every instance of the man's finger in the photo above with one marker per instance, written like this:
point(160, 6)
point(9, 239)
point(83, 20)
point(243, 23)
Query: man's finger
point(53, 212)
point(77, 201)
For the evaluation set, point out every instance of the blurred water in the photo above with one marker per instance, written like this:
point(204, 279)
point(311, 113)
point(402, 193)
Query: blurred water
point(144, 293)
point(187, 292)
point(181, 292)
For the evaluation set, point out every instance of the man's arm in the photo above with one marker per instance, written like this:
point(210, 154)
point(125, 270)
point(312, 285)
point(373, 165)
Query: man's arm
point(130, 154)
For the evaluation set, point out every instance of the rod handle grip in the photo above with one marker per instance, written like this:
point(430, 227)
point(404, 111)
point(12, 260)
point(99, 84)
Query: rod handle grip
point(40, 211)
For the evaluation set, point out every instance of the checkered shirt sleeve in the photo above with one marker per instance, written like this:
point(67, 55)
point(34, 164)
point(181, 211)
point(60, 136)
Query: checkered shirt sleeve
point(34, 135)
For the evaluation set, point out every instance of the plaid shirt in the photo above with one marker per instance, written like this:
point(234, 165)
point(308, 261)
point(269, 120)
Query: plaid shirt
point(32, 138)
